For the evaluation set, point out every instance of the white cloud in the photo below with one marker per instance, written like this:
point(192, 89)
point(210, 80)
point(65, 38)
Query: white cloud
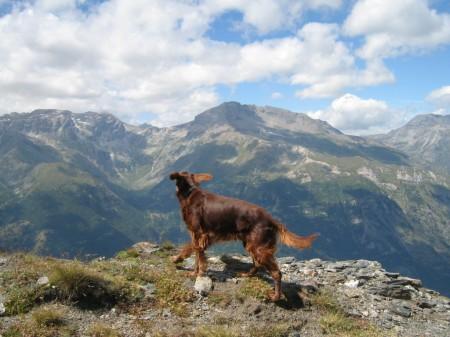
point(355, 115)
point(276, 95)
point(396, 27)
point(441, 99)
point(133, 59)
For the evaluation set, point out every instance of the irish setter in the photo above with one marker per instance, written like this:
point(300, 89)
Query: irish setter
point(211, 218)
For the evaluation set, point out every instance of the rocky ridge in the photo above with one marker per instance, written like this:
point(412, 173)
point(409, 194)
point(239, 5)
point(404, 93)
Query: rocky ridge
point(321, 298)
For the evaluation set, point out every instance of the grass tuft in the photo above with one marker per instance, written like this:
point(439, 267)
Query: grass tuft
point(88, 288)
point(254, 287)
point(130, 253)
point(102, 330)
point(21, 299)
point(215, 331)
point(171, 291)
point(48, 317)
point(335, 322)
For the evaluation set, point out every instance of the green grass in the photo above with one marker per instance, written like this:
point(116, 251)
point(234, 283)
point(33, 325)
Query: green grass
point(171, 291)
point(102, 330)
point(80, 284)
point(130, 253)
point(48, 317)
point(260, 330)
point(43, 322)
point(254, 287)
point(338, 324)
point(335, 322)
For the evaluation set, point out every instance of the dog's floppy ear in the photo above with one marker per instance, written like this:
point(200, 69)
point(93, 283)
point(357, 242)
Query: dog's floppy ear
point(199, 177)
point(174, 175)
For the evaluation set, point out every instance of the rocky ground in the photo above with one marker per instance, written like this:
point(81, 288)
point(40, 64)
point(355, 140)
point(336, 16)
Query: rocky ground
point(141, 293)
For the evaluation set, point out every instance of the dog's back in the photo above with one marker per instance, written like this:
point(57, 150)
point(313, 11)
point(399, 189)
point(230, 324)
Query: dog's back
point(226, 218)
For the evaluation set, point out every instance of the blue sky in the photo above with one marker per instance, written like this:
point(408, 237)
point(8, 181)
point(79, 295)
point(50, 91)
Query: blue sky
point(365, 66)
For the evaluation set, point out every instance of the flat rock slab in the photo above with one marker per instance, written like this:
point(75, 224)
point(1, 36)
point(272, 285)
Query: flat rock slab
point(146, 248)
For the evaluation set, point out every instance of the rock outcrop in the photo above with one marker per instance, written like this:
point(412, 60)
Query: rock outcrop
point(320, 298)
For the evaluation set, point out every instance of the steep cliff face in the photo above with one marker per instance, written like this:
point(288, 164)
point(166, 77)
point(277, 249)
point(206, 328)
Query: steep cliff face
point(75, 184)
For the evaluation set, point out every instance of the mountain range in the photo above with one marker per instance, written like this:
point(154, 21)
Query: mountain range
point(74, 184)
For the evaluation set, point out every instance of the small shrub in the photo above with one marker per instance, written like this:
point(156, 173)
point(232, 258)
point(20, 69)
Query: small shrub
point(170, 290)
point(137, 273)
point(21, 300)
point(167, 245)
point(102, 330)
point(88, 288)
point(215, 331)
point(325, 301)
point(48, 317)
point(130, 253)
point(32, 329)
point(335, 322)
point(272, 330)
point(12, 332)
point(219, 298)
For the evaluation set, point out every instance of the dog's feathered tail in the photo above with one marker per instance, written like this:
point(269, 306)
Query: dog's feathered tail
point(293, 240)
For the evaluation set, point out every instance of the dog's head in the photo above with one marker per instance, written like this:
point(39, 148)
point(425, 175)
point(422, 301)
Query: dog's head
point(186, 181)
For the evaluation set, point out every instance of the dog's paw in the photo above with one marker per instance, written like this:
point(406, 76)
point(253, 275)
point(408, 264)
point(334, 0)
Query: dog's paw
point(275, 297)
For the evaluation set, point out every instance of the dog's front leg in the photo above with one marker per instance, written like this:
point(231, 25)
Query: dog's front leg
point(200, 243)
point(185, 252)
point(201, 262)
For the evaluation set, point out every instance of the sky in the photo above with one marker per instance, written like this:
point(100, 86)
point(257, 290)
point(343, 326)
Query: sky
point(364, 66)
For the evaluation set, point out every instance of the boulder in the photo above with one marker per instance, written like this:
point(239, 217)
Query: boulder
point(203, 285)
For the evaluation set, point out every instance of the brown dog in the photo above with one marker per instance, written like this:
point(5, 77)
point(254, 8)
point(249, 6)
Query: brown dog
point(212, 218)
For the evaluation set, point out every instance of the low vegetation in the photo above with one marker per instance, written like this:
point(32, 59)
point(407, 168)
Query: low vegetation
point(45, 321)
point(79, 284)
point(254, 287)
point(171, 291)
point(102, 330)
point(335, 322)
point(139, 286)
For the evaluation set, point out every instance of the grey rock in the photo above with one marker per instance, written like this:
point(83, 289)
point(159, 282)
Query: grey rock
point(310, 286)
point(294, 334)
point(203, 285)
point(362, 263)
point(42, 281)
point(286, 260)
point(351, 284)
point(402, 308)
point(340, 265)
point(149, 290)
point(366, 273)
point(393, 291)
point(146, 248)
point(406, 281)
point(391, 275)
point(2, 309)
point(426, 304)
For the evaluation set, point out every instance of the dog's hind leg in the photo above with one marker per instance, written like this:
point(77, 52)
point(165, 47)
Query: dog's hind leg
point(268, 261)
point(255, 267)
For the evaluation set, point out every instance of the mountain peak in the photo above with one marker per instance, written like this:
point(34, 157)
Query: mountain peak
point(426, 120)
point(243, 117)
